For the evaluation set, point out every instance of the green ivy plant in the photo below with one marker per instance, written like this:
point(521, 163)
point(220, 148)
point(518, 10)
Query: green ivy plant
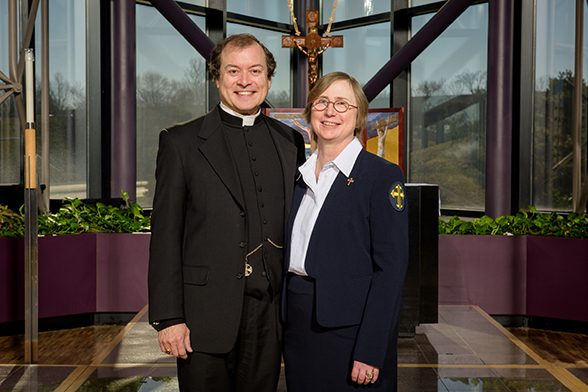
point(523, 223)
point(11, 223)
point(76, 217)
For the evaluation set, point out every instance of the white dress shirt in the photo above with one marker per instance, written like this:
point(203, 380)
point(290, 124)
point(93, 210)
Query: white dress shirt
point(313, 199)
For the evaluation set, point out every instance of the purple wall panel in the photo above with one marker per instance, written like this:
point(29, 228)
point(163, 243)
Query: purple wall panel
point(84, 273)
point(558, 278)
point(488, 271)
point(535, 276)
point(67, 283)
point(121, 275)
point(11, 279)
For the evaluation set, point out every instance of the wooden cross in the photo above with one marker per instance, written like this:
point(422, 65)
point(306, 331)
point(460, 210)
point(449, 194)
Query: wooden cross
point(313, 44)
point(383, 124)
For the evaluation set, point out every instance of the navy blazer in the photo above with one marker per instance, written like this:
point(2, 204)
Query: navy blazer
point(358, 253)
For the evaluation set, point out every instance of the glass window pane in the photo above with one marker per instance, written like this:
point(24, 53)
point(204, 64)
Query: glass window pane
point(201, 3)
point(171, 88)
point(275, 10)
point(447, 135)
point(10, 155)
point(351, 9)
point(365, 50)
point(554, 86)
point(67, 98)
point(279, 95)
point(416, 3)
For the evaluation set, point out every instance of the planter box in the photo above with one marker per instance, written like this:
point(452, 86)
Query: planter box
point(78, 274)
point(516, 275)
point(557, 278)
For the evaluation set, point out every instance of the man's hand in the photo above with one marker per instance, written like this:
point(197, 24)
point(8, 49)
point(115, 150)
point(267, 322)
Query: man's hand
point(363, 373)
point(175, 340)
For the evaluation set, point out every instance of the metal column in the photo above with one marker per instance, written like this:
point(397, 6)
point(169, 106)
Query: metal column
point(499, 123)
point(124, 112)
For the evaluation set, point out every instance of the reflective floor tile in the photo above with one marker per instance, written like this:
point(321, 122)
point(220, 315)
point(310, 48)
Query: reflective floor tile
point(123, 379)
point(418, 379)
point(35, 378)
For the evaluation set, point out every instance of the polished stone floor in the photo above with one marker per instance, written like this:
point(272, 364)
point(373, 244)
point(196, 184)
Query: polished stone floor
point(466, 351)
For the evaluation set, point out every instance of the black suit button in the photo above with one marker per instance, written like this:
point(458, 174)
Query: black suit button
point(263, 273)
point(265, 221)
point(259, 189)
point(242, 214)
point(266, 255)
point(254, 158)
point(256, 174)
point(262, 205)
point(239, 275)
point(241, 244)
point(250, 144)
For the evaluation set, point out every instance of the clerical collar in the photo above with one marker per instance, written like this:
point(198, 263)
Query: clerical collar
point(247, 120)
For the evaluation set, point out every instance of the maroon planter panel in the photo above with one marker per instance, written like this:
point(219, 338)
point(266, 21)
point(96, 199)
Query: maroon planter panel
point(67, 275)
point(488, 271)
point(67, 271)
point(11, 279)
point(121, 275)
point(558, 278)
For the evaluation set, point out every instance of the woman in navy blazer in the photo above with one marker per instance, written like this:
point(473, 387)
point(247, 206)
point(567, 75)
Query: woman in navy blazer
point(346, 253)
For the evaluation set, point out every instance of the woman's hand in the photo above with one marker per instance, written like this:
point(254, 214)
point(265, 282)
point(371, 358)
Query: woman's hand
point(363, 373)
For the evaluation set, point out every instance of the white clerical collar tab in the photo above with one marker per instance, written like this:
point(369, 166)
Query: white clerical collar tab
point(247, 120)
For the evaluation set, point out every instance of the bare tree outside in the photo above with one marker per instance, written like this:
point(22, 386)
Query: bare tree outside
point(162, 102)
point(448, 137)
point(553, 142)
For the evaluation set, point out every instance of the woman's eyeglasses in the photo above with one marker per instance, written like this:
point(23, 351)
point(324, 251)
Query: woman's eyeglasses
point(341, 106)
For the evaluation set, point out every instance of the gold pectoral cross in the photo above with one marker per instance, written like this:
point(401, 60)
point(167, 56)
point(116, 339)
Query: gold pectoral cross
point(349, 181)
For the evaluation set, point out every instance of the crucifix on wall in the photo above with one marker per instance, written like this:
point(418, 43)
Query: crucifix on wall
point(313, 44)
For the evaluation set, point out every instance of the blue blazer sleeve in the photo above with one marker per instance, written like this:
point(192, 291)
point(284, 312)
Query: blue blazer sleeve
point(388, 222)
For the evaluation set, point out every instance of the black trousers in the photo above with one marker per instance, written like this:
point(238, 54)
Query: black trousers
point(253, 365)
point(321, 359)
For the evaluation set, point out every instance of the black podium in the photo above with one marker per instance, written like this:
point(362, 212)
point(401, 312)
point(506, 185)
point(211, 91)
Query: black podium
point(421, 287)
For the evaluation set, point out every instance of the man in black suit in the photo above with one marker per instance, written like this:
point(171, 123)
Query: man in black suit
point(223, 194)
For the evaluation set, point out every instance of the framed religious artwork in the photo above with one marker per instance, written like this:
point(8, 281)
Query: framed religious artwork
point(383, 136)
point(294, 119)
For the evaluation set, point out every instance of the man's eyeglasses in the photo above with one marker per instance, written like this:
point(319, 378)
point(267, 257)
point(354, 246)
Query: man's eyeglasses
point(341, 106)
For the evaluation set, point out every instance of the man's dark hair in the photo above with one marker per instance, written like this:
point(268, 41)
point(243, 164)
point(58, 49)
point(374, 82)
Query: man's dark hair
point(239, 41)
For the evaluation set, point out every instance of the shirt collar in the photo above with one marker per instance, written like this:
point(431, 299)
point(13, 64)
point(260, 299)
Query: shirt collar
point(344, 161)
point(247, 120)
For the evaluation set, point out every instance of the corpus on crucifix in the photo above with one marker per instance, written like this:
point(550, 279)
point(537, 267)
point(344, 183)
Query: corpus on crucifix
point(313, 44)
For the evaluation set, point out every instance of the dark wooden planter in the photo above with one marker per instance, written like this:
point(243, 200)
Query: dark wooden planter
point(516, 275)
point(78, 274)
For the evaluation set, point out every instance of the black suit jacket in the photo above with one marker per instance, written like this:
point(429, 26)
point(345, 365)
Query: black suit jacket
point(198, 241)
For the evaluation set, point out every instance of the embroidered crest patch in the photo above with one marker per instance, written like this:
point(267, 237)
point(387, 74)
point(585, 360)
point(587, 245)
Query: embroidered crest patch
point(396, 195)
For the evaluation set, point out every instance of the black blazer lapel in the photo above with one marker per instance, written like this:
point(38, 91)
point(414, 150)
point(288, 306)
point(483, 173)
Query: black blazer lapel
point(217, 151)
